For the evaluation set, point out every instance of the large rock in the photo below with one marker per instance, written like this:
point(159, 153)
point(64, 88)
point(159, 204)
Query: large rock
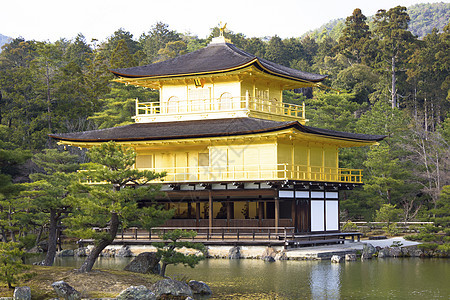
point(234, 253)
point(368, 251)
point(22, 293)
point(269, 251)
point(169, 287)
point(281, 255)
point(199, 287)
point(65, 291)
point(268, 259)
point(136, 293)
point(146, 262)
point(81, 252)
point(124, 252)
point(337, 259)
point(384, 253)
point(269, 254)
point(35, 250)
point(67, 252)
point(412, 251)
point(395, 252)
point(350, 257)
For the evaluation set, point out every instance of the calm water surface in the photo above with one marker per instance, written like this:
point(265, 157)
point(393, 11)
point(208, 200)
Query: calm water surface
point(405, 278)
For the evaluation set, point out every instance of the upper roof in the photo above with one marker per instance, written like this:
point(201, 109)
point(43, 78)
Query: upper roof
point(202, 129)
point(215, 58)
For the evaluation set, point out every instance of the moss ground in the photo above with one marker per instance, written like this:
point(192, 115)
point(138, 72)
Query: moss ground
point(95, 284)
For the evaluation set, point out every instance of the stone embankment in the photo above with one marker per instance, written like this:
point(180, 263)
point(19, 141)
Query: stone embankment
point(394, 247)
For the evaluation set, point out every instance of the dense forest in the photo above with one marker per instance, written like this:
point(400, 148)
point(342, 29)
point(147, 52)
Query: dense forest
point(382, 79)
point(423, 18)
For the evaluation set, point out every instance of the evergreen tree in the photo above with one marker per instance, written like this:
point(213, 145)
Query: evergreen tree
point(49, 192)
point(11, 265)
point(156, 39)
point(121, 56)
point(171, 50)
point(13, 216)
point(276, 51)
point(359, 79)
point(102, 208)
point(395, 43)
point(78, 51)
point(169, 253)
point(354, 36)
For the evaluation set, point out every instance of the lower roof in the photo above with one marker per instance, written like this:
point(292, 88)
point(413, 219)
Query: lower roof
point(202, 129)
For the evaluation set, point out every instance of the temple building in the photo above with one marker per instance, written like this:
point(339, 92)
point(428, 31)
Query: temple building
point(235, 154)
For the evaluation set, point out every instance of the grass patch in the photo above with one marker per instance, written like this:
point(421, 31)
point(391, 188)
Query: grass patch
point(95, 284)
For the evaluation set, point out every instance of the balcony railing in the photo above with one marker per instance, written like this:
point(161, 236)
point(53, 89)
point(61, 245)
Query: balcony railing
point(254, 172)
point(246, 103)
point(260, 172)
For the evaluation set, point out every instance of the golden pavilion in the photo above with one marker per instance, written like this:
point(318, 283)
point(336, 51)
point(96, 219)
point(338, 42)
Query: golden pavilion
point(235, 154)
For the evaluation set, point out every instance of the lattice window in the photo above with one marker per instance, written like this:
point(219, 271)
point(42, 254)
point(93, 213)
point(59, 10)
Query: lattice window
point(203, 159)
point(144, 161)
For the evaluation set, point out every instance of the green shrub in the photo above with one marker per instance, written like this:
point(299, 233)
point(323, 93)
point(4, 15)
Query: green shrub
point(446, 239)
point(447, 231)
point(349, 226)
point(444, 248)
point(364, 230)
point(392, 229)
point(412, 237)
point(396, 244)
point(414, 228)
point(428, 238)
point(428, 247)
point(430, 229)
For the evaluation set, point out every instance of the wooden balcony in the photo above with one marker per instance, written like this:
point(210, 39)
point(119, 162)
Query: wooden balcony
point(259, 173)
point(218, 108)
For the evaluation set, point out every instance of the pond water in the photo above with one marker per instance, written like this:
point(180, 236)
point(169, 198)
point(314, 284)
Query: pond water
point(403, 278)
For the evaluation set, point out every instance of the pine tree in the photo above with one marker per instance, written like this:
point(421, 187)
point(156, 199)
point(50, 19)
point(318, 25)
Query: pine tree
point(102, 208)
point(354, 36)
point(11, 265)
point(168, 251)
point(49, 192)
point(395, 44)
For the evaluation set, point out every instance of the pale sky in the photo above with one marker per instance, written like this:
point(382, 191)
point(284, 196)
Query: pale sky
point(49, 20)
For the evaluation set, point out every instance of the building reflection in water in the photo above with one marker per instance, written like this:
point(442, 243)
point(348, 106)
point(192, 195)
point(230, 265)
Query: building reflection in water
point(325, 281)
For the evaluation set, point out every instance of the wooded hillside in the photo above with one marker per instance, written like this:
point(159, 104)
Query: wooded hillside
point(389, 82)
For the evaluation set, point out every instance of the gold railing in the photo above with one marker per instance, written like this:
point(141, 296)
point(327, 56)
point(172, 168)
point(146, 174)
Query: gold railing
point(254, 172)
point(219, 105)
point(260, 172)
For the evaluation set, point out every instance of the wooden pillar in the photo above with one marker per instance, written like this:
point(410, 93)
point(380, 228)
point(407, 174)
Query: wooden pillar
point(260, 213)
point(228, 213)
point(294, 213)
point(189, 210)
point(197, 213)
point(210, 212)
point(277, 213)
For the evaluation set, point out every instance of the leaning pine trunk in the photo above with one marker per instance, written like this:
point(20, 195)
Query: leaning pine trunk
point(163, 269)
point(90, 260)
point(51, 251)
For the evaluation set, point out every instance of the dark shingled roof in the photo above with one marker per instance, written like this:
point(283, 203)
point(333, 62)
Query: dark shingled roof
point(211, 59)
point(201, 129)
